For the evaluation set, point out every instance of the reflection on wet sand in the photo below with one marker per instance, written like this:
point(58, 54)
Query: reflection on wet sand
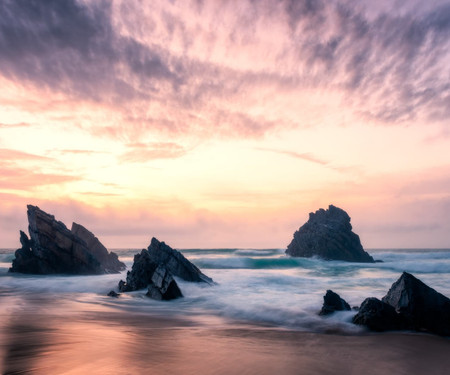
point(45, 337)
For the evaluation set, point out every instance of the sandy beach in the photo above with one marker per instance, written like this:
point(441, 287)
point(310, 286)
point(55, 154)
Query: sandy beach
point(47, 338)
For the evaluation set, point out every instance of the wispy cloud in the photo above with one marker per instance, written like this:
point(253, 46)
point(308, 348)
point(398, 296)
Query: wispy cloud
point(12, 154)
point(23, 179)
point(307, 156)
point(143, 152)
point(175, 61)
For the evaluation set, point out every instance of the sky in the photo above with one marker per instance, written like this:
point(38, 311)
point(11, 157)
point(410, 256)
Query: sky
point(224, 123)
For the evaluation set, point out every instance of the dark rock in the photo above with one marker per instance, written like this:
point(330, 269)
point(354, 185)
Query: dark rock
point(112, 293)
point(52, 248)
point(378, 316)
point(328, 234)
point(175, 262)
point(155, 267)
point(163, 285)
point(141, 273)
point(421, 307)
point(333, 302)
point(109, 260)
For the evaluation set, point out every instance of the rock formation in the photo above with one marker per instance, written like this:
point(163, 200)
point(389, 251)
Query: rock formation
point(378, 316)
point(175, 262)
point(421, 307)
point(52, 249)
point(333, 302)
point(109, 260)
point(155, 267)
point(409, 304)
point(113, 293)
point(163, 286)
point(328, 234)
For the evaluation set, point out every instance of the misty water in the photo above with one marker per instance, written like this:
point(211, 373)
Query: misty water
point(256, 290)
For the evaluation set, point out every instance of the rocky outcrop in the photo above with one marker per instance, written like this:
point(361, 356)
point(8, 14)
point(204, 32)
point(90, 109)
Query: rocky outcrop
point(421, 307)
point(52, 249)
point(175, 262)
point(109, 260)
point(409, 304)
point(328, 234)
point(155, 268)
point(378, 316)
point(163, 286)
point(141, 273)
point(333, 302)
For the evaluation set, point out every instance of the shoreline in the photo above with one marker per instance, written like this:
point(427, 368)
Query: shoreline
point(102, 342)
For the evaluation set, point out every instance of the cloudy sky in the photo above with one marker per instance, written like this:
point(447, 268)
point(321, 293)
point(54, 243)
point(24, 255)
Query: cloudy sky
point(224, 123)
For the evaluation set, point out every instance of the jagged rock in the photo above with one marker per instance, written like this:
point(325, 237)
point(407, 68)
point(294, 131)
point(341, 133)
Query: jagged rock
point(378, 316)
point(175, 262)
point(328, 234)
point(109, 260)
point(155, 268)
point(421, 307)
point(52, 248)
point(333, 302)
point(141, 273)
point(163, 285)
point(409, 304)
point(114, 294)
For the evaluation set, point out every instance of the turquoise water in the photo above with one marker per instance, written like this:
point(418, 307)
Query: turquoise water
point(253, 286)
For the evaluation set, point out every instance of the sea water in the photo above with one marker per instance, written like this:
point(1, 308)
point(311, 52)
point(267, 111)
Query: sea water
point(253, 286)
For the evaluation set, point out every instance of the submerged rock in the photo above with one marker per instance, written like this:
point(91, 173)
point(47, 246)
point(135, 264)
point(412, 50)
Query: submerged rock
point(113, 293)
point(328, 234)
point(155, 267)
point(409, 304)
point(421, 307)
point(333, 302)
point(52, 248)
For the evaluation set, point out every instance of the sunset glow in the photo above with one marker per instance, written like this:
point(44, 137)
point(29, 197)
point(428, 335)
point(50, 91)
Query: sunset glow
point(224, 123)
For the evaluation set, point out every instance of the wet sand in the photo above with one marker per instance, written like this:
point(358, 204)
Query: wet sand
point(34, 340)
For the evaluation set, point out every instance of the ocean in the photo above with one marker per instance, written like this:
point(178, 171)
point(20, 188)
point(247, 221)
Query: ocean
point(263, 301)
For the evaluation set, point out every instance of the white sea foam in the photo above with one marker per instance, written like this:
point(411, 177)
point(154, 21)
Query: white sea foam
point(255, 286)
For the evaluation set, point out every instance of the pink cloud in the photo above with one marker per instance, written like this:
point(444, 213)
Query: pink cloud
point(142, 152)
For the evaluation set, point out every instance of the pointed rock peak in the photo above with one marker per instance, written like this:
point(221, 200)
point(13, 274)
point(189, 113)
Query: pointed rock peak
point(52, 248)
point(333, 302)
point(156, 243)
point(176, 263)
point(422, 307)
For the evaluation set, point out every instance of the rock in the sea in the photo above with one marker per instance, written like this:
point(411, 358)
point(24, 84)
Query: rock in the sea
point(421, 307)
point(109, 260)
point(378, 316)
point(328, 235)
point(113, 293)
point(175, 262)
point(163, 286)
point(52, 249)
point(141, 273)
point(333, 302)
point(410, 304)
point(155, 267)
